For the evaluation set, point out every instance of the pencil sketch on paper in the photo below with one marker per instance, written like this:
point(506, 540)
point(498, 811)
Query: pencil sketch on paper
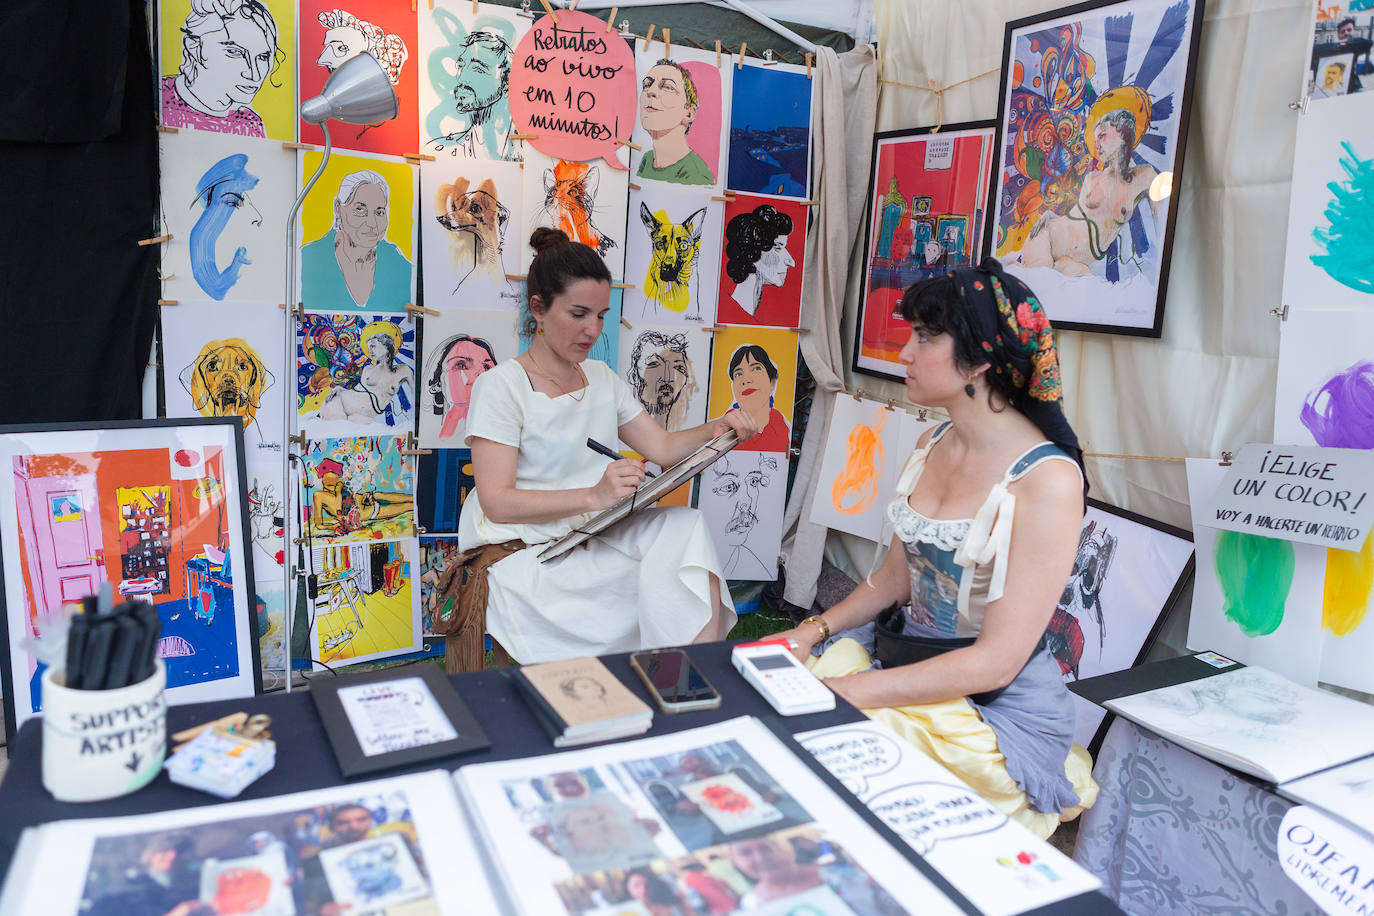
point(228, 50)
point(266, 521)
point(570, 195)
point(1248, 705)
point(671, 282)
point(476, 220)
point(856, 485)
point(748, 556)
point(661, 375)
point(227, 379)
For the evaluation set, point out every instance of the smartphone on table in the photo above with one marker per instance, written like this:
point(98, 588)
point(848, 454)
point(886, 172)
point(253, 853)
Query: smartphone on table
point(677, 685)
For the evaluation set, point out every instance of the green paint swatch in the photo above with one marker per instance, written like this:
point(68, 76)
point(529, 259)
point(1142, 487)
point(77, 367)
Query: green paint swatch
point(1255, 574)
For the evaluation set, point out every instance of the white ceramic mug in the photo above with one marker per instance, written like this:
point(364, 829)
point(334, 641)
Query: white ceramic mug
point(100, 744)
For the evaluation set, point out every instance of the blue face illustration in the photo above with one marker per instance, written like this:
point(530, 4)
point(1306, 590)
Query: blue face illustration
point(222, 191)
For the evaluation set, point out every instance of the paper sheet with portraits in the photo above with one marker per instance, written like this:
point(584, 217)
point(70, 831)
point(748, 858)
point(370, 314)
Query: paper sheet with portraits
point(464, 62)
point(683, 118)
point(378, 842)
point(667, 368)
point(472, 229)
point(459, 345)
point(224, 202)
point(606, 828)
point(586, 200)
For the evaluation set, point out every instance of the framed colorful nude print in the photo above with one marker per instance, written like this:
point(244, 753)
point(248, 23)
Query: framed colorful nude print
point(1093, 122)
point(925, 216)
point(153, 507)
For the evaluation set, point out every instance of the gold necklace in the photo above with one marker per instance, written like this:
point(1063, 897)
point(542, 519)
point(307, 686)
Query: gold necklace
point(539, 370)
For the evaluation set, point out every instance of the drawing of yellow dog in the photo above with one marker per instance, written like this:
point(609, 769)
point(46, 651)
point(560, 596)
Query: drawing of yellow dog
point(671, 280)
point(227, 380)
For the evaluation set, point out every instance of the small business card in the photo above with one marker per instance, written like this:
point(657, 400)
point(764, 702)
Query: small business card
point(1216, 661)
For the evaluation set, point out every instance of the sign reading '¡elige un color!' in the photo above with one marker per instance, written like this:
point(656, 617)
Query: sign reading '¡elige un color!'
point(1296, 493)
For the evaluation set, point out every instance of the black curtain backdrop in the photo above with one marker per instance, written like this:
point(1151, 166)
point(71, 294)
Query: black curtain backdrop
point(78, 152)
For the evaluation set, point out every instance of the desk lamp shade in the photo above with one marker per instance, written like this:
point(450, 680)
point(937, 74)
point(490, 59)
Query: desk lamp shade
point(359, 92)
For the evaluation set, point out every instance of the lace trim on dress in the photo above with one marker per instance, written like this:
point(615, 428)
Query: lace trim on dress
point(913, 527)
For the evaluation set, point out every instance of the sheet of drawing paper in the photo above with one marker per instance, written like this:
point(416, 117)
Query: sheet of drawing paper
point(607, 343)
point(459, 346)
point(355, 374)
point(1329, 260)
point(368, 604)
point(587, 200)
point(361, 212)
point(443, 482)
point(246, 86)
point(1122, 577)
point(742, 496)
point(472, 230)
point(999, 865)
point(858, 467)
point(1256, 599)
point(225, 360)
point(332, 33)
point(1345, 791)
point(762, 261)
point(225, 200)
point(464, 68)
point(684, 99)
point(1325, 389)
point(770, 130)
point(912, 428)
point(672, 255)
point(741, 377)
point(668, 368)
point(359, 489)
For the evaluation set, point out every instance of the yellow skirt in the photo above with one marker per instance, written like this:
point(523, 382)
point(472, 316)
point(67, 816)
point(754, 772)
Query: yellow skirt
point(952, 733)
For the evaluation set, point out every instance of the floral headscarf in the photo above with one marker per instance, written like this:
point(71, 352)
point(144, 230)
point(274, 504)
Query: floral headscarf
point(1013, 333)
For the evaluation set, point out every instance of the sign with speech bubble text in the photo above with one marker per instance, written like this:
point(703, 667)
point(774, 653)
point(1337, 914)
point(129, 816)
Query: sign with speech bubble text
point(1308, 494)
point(573, 89)
point(1000, 866)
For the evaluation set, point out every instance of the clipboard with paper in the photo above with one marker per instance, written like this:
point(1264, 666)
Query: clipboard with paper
point(644, 497)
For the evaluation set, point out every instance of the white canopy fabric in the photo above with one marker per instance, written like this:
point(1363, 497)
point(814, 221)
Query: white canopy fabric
point(1208, 384)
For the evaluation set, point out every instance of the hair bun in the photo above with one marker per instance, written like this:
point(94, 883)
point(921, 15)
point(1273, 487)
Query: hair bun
point(544, 238)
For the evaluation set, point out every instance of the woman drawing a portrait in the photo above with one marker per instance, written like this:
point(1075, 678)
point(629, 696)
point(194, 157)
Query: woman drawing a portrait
point(353, 266)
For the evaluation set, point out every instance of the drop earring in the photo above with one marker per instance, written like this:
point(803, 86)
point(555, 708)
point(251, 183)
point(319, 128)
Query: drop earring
point(969, 389)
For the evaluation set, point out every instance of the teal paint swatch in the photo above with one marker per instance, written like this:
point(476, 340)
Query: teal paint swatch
point(1347, 242)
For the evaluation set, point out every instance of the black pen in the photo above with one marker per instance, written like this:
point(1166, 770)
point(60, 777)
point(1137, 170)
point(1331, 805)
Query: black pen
point(611, 454)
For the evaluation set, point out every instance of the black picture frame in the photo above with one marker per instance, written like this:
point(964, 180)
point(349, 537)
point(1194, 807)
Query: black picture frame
point(247, 629)
point(348, 751)
point(1100, 554)
point(1180, 103)
point(859, 362)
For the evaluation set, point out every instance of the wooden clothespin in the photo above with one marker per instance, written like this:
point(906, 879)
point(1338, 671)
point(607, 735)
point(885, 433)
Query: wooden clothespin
point(727, 196)
point(809, 203)
point(549, 10)
point(648, 36)
point(156, 240)
point(167, 130)
point(165, 277)
point(808, 65)
point(611, 19)
point(717, 53)
point(417, 158)
point(520, 277)
point(411, 447)
point(166, 302)
point(420, 309)
point(712, 328)
point(800, 330)
point(635, 187)
point(292, 144)
point(523, 136)
point(622, 286)
point(412, 6)
point(667, 38)
point(628, 326)
point(742, 46)
point(474, 6)
point(634, 146)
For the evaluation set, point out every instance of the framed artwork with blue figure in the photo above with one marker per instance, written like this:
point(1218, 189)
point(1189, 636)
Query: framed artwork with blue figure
point(1090, 138)
point(155, 509)
point(224, 201)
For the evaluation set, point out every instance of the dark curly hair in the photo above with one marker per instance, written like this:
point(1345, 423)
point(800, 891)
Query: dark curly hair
point(748, 235)
point(558, 261)
point(935, 307)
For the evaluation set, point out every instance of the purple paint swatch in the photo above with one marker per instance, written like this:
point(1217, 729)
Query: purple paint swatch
point(1340, 413)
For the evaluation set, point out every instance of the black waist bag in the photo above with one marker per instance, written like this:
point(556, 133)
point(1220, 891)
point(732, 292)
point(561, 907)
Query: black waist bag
point(893, 647)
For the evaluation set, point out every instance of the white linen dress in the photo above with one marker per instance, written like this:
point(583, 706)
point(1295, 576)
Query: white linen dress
point(645, 583)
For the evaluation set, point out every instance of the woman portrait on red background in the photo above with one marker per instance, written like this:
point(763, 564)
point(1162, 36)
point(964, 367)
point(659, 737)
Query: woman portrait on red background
point(754, 382)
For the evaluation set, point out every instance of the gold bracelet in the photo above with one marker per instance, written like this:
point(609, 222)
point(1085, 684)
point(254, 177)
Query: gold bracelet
point(820, 622)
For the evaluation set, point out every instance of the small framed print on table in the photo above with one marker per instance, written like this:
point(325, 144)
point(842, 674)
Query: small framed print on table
point(925, 216)
point(1127, 576)
point(1093, 119)
point(395, 717)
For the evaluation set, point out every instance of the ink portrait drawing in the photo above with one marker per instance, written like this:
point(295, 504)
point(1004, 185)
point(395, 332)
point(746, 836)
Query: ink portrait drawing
point(465, 58)
point(672, 254)
point(681, 124)
point(474, 230)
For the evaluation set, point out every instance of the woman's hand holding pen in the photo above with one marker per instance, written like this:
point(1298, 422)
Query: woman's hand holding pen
point(622, 477)
point(736, 419)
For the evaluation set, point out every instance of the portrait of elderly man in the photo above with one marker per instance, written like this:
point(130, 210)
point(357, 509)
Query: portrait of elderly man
point(668, 104)
point(228, 50)
point(353, 266)
point(661, 377)
point(756, 254)
point(481, 101)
